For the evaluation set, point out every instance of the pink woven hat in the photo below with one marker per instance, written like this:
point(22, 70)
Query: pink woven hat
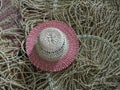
point(52, 46)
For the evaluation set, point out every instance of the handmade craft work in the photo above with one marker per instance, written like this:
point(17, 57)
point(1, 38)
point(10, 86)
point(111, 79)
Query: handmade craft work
point(64, 45)
point(52, 45)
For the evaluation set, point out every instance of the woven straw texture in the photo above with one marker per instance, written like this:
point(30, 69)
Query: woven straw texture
point(97, 66)
point(52, 44)
point(62, 62)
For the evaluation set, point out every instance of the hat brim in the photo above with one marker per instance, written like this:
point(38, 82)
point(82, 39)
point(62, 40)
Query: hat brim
point(66, 60)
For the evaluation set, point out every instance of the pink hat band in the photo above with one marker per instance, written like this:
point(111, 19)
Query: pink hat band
point(52, 46)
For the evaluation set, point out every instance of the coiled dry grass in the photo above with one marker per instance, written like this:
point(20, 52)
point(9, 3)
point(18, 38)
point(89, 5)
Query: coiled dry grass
point(97, 66)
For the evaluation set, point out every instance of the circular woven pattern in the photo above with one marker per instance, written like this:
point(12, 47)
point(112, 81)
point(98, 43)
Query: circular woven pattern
point(63, 62)
point(51, 44)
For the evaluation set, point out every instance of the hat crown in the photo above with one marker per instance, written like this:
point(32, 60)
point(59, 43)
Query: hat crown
point(51, 44)
point(51, 39)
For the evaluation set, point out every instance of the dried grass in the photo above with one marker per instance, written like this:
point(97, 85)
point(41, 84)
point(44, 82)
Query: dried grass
point(97, 66)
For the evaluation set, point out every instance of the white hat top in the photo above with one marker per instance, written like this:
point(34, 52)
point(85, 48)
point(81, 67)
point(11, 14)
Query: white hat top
point(51, 44)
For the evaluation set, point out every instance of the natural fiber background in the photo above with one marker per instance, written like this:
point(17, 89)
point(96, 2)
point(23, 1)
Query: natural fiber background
point(97, 66)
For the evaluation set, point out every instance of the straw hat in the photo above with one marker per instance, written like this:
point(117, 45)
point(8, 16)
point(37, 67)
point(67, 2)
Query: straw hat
point(52, 45)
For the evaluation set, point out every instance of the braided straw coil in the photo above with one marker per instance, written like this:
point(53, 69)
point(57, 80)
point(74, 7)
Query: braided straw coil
point(97, 66)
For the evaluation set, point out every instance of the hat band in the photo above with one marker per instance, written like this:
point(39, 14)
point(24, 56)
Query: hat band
point(55, 55)
point(53, 51)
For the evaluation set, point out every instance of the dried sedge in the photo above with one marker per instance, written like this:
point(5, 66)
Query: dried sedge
point(97, 65)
